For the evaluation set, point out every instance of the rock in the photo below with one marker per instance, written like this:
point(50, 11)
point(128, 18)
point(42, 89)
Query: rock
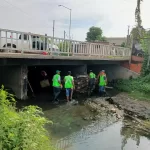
point(74, 102)
point(99, 111)
point(118, 116)
point(113, 110)
point(103, 108)
point(102, 105)
point(86, 118)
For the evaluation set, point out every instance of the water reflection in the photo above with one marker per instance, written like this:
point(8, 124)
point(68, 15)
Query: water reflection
point(129, 131)
point(106, 135)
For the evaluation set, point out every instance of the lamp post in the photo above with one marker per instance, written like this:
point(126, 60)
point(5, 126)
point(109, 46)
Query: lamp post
point(70, 18)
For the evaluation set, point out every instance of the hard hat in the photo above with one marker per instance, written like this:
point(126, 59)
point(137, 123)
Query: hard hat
point(58, 71)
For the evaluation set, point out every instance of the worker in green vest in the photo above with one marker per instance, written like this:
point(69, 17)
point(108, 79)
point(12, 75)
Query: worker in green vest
point(56, 86)
point(102, 82)
point(69, 86)
point(92, 79)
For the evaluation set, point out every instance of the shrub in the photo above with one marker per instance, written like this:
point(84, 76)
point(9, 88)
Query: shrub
point(141, 84)
point(23, 129)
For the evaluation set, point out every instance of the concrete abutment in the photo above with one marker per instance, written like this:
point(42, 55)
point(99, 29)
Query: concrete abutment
point(13, 78)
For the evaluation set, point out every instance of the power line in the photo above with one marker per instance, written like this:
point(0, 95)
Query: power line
point(31, 17)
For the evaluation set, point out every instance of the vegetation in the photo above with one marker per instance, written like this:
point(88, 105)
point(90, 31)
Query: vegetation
point(23, 129)
point(63, 46)
point(141, 85)
point(95, 34)
point(123, 44)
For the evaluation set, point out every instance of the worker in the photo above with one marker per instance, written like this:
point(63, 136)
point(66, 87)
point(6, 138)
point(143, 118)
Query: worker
point(104, 73)
point(92, 79)
point(102, 82)
point(57, 86)
point(44, 74)
point(69, 86)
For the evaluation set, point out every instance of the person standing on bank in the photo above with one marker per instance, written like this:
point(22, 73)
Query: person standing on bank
point(69, 86)
point(57, 86)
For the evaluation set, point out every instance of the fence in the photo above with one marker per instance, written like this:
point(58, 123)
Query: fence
point(22, 42)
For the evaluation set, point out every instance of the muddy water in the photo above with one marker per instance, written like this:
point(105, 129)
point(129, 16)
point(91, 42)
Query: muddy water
point(70, 131)
point(114, 137)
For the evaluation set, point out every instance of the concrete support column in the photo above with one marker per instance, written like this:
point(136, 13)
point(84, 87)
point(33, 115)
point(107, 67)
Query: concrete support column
point(13, 77)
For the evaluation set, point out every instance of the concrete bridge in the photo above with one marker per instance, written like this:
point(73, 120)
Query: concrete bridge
point(24, 55)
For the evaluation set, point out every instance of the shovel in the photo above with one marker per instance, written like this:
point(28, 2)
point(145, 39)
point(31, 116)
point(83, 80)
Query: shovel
point(33, 95)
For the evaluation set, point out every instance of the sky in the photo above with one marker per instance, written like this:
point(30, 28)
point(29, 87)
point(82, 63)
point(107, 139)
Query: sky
point(36, 16)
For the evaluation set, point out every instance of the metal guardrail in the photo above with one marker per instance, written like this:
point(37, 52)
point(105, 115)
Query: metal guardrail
point(22, 42)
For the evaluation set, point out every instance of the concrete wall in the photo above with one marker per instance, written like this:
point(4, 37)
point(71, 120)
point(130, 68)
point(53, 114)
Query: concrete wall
point(118, 72)
point(11, 77)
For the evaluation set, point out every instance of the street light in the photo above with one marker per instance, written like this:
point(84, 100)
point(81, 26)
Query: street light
point(70, 18)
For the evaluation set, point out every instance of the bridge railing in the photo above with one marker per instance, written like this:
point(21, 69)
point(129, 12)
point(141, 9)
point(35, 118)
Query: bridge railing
point(23, 42)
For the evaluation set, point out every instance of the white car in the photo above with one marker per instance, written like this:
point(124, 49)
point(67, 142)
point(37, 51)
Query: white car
point(28, 42)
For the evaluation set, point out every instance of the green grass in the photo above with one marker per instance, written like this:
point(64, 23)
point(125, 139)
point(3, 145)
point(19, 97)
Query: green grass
point(139, 96)
point(138, 88)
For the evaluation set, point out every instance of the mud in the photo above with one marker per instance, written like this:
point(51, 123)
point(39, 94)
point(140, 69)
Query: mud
point(134, 107)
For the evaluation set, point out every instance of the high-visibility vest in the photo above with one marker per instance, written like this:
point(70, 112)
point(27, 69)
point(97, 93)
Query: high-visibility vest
point(102, 81)
point(56, 78)
point(68, 82)
point(92, 75)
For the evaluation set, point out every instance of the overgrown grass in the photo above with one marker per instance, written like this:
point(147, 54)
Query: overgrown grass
point(23, 129)
point(138, 88)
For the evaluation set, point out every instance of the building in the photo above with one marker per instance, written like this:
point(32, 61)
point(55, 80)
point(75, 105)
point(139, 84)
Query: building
point(117, 41)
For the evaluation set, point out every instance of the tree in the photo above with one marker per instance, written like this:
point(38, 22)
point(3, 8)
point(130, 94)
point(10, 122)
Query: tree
point(138, 13)
point(123, 44)
point(95, 34)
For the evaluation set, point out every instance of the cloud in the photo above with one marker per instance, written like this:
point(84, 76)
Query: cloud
point(113, 16)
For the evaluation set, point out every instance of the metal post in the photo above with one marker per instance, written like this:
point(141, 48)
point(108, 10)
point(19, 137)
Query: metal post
point(70, 19)
point(53, 28)
point(70, 25)
point(64, 35)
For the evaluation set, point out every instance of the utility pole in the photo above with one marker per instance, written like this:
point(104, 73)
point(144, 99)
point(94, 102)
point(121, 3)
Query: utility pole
point(53, 28)
point(64, 34)
point(128, 30)
point(128, 36)
point(70, 19)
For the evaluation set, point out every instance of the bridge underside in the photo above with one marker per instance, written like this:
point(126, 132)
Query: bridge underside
point(16, 72)
point(42, 62)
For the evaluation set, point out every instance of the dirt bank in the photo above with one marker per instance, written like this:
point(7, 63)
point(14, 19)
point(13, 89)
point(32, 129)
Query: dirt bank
point(131, 106)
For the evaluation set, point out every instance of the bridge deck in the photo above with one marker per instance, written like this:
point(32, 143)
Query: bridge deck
point(39, 56)
point(16, 44)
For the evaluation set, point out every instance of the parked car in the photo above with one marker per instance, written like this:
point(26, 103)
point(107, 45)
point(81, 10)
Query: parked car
point(28, 42)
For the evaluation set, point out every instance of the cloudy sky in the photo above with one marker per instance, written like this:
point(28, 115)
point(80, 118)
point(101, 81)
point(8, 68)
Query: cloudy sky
point(37, 16)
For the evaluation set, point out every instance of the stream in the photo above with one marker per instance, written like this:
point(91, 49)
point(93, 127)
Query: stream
point(80, 127)
point(72, 132)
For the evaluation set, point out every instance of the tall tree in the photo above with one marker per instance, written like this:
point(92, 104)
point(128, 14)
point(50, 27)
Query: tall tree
point(138, 16)
point(138, 13)
point(95, 34)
